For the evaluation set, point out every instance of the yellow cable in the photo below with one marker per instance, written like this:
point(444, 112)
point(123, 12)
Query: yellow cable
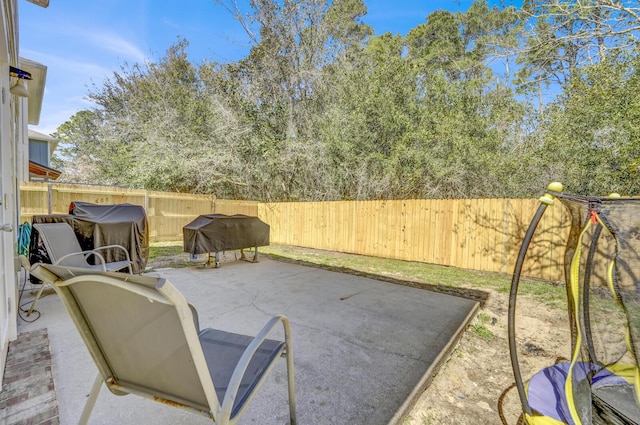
point(574, 286)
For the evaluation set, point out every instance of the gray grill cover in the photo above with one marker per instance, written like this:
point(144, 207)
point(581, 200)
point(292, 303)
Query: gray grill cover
point(100, 225)
point(218, 232)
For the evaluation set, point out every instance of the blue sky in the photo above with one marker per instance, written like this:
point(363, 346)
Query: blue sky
point(82, 42)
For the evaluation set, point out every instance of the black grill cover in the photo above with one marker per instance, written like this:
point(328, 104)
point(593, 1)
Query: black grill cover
point(218, 232)
point(100, 225)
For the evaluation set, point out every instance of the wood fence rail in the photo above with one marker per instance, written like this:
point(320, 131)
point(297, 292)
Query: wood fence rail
point(167, 212)
point(479, 234)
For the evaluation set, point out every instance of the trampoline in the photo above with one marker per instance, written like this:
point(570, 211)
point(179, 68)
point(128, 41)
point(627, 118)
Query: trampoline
point(599, 382)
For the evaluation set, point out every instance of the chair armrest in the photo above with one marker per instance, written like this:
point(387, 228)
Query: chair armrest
point(24, 262)
point(85, 254)
point(43, 274)
point(196, 321)
point(126, 253)
point(243, 363)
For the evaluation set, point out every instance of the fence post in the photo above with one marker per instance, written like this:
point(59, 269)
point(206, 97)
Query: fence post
point(49, 199)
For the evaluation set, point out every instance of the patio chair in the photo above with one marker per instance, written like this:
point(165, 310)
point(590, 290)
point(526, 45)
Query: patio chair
point(63, 247)
point(145, 340)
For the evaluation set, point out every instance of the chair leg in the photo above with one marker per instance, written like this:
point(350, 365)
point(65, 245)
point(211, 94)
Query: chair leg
point(33, 304)
point(292, 387)
point(91, 401)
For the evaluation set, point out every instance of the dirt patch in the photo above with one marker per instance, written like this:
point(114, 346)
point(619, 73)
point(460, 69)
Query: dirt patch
point(469, 385)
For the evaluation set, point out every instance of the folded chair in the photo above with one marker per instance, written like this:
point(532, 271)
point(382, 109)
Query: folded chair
point(63, 247)
point(145, 340)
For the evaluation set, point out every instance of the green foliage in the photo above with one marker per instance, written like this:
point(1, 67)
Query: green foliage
point(320, 109)
point(593, 129)
point(479, 326)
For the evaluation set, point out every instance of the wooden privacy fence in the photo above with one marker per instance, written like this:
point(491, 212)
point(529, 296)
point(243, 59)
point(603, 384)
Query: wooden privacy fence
point(167, 212)
point(479, 234)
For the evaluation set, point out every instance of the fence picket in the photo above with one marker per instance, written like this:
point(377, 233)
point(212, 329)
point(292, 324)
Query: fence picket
point(481, 234)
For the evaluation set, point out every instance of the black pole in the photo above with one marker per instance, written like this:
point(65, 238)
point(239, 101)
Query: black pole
point(512, 305)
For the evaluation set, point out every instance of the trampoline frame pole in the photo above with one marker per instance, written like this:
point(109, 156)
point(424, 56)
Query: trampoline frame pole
point(545, 201)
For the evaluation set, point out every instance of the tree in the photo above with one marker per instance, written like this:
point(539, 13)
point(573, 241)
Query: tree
point(563, 36)
point(151, 128)
point(319, 110)
point(468, 121)
point(370, 100)
point(593, 131)
point(279, 80)
point(75, 153)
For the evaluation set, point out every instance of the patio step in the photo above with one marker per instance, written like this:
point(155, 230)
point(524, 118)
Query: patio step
point(28, 394)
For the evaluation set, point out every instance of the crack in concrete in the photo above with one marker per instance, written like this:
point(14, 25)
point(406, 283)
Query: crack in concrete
point(357, 344)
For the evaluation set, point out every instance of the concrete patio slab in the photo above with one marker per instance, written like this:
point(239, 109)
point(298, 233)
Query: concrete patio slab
point(362, 348)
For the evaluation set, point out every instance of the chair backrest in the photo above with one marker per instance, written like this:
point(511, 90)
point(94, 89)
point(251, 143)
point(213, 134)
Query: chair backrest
point(140, 332)
point(59, 239)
